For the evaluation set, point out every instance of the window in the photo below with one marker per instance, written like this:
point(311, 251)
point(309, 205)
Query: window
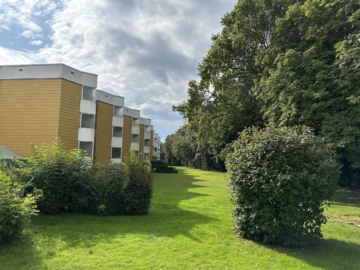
point(137, 153)
point(116, 152)
point(117, 132)
point(136, 122)
point(87, 147)
point(146, 156)
point(88, 93)
point(147, 142)
point(87, 120)
point(118, 111)
point(134, 138)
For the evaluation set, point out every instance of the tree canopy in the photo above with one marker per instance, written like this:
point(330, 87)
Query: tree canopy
point(286, 62)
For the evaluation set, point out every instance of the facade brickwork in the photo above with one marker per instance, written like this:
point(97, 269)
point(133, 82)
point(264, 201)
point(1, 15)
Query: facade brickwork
point(29, 113)
point(103, 131)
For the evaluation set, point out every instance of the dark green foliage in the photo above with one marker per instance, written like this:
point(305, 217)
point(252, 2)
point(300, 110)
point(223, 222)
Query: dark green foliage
point(313, 76)
point(15, 208)
point(186, 149)
point(63, 177)
point(280, 180)
point(224, 101)
point(138, 191)
point(160, 166)
point(286, 62)
point(70, 183)
point(110, 181)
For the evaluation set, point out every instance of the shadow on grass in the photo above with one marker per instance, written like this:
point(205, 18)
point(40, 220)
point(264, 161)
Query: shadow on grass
point(347, 197)
point(167, 218)
point(328, 254)
point(21, 254)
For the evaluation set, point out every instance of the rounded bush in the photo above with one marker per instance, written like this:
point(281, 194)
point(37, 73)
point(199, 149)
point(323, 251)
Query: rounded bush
point(15, 208)
point(280, 180)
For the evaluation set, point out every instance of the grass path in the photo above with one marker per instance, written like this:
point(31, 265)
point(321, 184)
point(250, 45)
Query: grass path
point(189, 227)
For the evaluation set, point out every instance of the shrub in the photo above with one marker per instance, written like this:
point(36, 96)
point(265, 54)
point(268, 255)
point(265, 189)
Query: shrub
point(160, 166)
point(110, 181)
point(15, 208)
point(280, 181)
point(64, 178)
point(138, 191)
point(70, 183)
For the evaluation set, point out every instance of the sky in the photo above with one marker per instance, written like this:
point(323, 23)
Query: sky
point(144, 50)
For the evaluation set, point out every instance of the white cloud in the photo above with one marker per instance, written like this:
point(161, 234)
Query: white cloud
point(36, 42)
point(22, 13)
point(12, 57)
point(145, 50)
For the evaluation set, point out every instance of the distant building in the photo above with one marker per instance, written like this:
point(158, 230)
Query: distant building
point(41, 102)
point(156, 150)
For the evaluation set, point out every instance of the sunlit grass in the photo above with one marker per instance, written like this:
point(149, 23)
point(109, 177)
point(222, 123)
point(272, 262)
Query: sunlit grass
point(189, 227)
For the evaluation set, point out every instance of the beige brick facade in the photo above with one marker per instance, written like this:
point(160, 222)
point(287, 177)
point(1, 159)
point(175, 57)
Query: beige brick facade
point(29, 113)
point(39, 103)
point(103, 131)
point(69, 114)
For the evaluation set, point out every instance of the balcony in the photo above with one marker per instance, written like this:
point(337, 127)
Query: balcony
point(146, 149)
point(135, 130)
point(117, 121)
point(116, 160)
point(147, 135)
point(116, 142)
point(87, 106)
point(135, 146)
point(86, 134)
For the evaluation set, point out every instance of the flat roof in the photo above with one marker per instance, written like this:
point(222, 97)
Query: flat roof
point(48, 71)
point(49, 64)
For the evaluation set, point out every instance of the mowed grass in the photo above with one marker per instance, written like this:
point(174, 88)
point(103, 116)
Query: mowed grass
point(189, 227)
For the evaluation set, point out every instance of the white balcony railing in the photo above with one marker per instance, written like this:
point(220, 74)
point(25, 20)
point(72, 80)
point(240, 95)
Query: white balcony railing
point(117, 121)
point(116, 160)
point(135, 146)
point(87, 106)
point(135, 130)
point(116, 142)
point(86, 134)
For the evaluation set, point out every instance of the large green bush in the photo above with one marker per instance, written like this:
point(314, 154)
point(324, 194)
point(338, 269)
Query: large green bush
point(280, 181)
point(160, 166)
point(138, 191)
point(15, 208)
point(64, 178)
point(69, 182)
point(110, 181)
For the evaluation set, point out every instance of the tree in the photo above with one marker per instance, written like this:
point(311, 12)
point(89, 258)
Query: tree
point(167, 153)
point(312, 75)
point(224, 102)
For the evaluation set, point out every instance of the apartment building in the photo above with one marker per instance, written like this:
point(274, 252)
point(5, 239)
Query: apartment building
point(41, 102)
point(156, 150)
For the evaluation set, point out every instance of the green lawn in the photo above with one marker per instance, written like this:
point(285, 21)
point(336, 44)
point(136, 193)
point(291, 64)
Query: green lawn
point(189, 227)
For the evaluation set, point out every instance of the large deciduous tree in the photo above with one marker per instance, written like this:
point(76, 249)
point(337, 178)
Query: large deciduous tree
point(314, 79)
point(224, 102)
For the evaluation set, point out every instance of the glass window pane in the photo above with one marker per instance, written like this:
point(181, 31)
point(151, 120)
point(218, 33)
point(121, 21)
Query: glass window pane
point(87, 120)
point(116, 153)
point(87, 147)
point(117, 132)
